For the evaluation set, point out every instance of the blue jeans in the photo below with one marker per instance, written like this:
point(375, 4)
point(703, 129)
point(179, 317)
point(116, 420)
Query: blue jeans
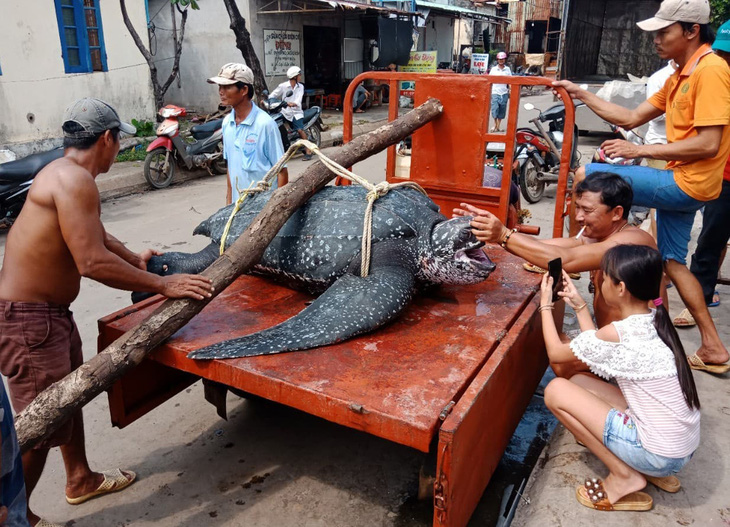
point(499, 106)
point(675, 210)
point(621, 437)
point(713, 239)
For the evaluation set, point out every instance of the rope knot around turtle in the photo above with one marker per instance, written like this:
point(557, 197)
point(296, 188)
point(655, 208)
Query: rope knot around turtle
point(375, 192)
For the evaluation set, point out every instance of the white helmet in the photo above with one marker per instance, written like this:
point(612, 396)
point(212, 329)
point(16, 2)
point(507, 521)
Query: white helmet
point(293, 72)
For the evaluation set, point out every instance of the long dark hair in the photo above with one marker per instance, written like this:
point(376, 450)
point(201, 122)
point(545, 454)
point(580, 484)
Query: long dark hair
point(640, 268)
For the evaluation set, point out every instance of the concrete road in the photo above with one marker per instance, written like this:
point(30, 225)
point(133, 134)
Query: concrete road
point(267, 465)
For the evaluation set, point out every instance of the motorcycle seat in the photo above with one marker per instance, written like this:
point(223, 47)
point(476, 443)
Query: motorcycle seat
point(27, 168)
point(202, 131)
point(310, 112)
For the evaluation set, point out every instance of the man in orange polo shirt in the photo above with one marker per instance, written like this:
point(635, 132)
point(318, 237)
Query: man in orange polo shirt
point(716, 218)
point(696, 101)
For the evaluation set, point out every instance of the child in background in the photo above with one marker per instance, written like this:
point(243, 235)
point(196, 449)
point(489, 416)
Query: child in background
point(647, 427)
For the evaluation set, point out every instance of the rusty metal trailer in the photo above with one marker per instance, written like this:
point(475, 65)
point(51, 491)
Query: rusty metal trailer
point(452, 376)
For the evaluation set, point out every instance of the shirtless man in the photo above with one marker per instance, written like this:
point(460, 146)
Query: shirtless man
point(602, 207)
point(57, 239)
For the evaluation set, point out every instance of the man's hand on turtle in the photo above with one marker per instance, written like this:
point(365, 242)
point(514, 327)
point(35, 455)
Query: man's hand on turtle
point(486, 226)
point(187, 286)
point(144, 257)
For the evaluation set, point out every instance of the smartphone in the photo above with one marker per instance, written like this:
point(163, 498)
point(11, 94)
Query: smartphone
point(555, 269)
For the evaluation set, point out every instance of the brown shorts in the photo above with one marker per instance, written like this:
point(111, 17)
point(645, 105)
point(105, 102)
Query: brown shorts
point(39, 345)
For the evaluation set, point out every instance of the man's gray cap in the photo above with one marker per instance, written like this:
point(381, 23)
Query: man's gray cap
point(89, 117)
point(672, 11)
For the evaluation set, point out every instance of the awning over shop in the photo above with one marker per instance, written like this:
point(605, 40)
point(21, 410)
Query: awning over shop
point(459, 12)
point(303, 7)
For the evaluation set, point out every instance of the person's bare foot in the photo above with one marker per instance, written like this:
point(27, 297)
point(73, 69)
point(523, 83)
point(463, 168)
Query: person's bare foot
point(713, 355)
point(89, 484)
point(359, 111)
point(616, 488)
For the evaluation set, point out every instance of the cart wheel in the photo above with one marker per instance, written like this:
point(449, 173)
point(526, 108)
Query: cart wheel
point(159, 168)
point(531, 187)
point(315, 135)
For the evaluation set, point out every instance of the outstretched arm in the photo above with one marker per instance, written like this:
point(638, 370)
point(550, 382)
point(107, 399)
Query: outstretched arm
point(77, 202)
point(613, 113)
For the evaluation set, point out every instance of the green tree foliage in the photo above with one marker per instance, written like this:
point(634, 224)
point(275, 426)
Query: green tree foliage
point(720, 12)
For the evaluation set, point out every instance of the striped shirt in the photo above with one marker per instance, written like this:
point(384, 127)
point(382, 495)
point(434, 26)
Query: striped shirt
point(644, 367)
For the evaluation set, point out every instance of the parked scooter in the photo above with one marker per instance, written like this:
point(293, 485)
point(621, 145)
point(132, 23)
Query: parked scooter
point(312, 120)
point(15, 180)
point(538, 151)
point(170, 148)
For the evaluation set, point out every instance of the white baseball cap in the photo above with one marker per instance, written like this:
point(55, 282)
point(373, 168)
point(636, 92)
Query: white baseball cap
point(672, 11)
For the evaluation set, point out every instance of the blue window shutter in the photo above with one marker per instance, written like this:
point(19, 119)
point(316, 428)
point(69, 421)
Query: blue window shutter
point(80, 31)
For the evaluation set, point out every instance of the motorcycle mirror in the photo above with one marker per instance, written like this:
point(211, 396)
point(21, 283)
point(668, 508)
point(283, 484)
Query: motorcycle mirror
point(529, 106)
point(289, 93)
point(265, 92)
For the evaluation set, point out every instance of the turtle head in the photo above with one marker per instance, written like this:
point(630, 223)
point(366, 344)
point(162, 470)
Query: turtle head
point(454, 255)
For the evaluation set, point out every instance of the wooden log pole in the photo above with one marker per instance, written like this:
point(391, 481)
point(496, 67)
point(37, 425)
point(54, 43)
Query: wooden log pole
point(63, 399)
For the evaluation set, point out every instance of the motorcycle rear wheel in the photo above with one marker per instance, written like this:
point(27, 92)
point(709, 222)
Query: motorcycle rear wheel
point(531, 187)
point(220, 165)
point(154, 168)
point(315, 135)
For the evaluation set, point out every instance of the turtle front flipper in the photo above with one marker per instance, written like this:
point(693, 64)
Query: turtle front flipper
point(351, 306)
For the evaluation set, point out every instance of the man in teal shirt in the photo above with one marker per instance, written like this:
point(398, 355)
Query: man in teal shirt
point(251, 140)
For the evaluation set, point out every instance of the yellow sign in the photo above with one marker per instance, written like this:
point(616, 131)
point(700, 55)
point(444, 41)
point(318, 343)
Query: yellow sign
point(420, 62)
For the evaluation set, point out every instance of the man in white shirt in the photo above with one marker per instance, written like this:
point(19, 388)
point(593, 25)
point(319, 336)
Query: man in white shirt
point(293, 111)
point(500, 92)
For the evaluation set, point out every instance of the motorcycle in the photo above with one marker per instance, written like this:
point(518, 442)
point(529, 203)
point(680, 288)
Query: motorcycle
point(170, 148)
point(537, 153)
point(312, 120)
point(15, 180)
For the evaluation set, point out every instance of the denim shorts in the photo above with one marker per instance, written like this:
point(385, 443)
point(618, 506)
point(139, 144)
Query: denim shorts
point(621, 437)
point(297, 124)
point(499, 105)
point(675, 210)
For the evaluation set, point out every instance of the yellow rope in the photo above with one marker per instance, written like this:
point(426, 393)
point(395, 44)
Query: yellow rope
point(374, 192)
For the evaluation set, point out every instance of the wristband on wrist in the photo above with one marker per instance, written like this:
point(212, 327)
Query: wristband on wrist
point(546, 307)
point(506, 238)
point(580, 307)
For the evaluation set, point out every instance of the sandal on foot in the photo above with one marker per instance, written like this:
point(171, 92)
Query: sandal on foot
point(114, 481)
point(667, 483)
point(698, 364)
point(537, 269)
point(715, 300)
point(684, 319)
point(46, 523)
point(593, 496)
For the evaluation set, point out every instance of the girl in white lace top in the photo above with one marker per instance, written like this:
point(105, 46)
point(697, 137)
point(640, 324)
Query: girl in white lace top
point(648, 427)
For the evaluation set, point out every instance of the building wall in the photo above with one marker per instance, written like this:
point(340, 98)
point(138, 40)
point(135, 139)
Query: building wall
point(34, 88)
point(209, 43)
point(438, 35)
point(521, 12)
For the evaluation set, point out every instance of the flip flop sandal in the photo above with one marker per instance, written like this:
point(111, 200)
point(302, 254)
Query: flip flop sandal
point(114, 481)
point(593, 496)
point(667, 483)
point(715, 300)
point(537, 269)
point(46, 523)
point(684, 320)
point(698, 364)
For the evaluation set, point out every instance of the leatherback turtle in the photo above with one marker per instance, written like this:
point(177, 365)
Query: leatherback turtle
point(319, 250)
